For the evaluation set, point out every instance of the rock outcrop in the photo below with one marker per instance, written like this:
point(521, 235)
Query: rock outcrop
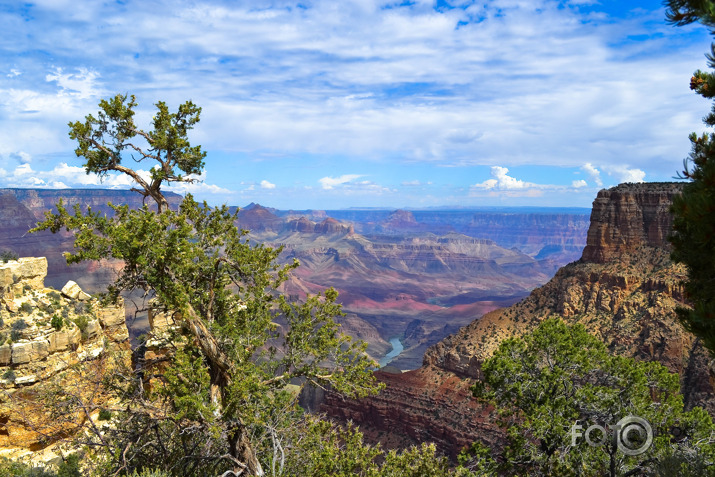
point(624, 290)
point(44, 333)
point(627, 217)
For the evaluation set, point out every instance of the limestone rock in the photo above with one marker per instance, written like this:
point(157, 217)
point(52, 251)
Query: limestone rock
point(111, 316)
point(64, 339)
point(5, 355)
point(27, 270)
point(160, 319)
point(71, 290)
point(21, 353)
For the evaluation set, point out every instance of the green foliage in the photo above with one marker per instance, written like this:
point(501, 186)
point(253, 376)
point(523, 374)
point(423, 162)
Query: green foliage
point(105, 140)
point(9, 375)
point(26, 307)
point(105, 415)
point(17, 327)
point(57, 322)
point(321, 449)
point(69, 467)
point(694, 226)
point(559, 376)
point(82, 323)
point(10, 468)
point(221, 395)
point(150, 473)
point(80, 308)
point(8, 255)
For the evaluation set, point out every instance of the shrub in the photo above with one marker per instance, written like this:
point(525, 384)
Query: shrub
point(11, 468)
point(105, 415)
point(82, 322)
point(57, 322)
point(69, 467)
point(80, 308)
point(9, 375)
point(16, 329)
point(26, 308)
point(8, 255)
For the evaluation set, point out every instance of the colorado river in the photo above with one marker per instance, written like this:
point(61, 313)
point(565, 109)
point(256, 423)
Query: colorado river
point(396, 350)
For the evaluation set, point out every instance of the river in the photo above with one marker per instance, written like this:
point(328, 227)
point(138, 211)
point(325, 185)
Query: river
point(396, 350)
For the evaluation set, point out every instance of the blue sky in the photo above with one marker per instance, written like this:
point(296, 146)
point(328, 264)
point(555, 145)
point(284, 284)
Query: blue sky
point(327, 104)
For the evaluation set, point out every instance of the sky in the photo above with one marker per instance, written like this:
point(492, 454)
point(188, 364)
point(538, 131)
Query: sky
point(363, 103)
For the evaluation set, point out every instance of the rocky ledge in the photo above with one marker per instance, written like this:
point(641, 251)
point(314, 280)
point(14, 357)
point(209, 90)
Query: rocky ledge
point(44, 332)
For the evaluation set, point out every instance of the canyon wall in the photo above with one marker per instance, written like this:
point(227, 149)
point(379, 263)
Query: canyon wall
point(624, 290)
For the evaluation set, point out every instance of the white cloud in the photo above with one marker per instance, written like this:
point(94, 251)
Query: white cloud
point(65, 176)
point(81, 84)
point(408, 84)
point(331, 182)
point(579, 183)
point(502, 181)
point(624, 173)
point(593, 173)
point(267, 185)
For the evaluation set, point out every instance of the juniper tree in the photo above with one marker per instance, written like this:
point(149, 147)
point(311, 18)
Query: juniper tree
point(693, 238)
point(552, 385)
point(221, 401)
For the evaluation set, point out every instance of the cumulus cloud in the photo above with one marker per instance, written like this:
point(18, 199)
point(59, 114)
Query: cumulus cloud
point(332, 182)
point(501, 180)
point(579, 183)
point(624, 173)
point(267, 185)
point(64, 176)
point(593, 173)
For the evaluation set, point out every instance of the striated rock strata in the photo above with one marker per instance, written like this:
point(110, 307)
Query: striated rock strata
point(624, 290)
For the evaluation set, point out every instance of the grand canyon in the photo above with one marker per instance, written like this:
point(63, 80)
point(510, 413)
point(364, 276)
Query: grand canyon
point(449, 289)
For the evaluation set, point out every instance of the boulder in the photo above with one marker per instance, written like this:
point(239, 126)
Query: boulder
point(21, 353)
point(26, 379)
point(71, 290)
point(92, 329)
point(111, 316)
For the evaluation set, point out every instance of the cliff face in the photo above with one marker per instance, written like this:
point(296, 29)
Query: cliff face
point(43, 335)
point(627, 217)
point(624, 290)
